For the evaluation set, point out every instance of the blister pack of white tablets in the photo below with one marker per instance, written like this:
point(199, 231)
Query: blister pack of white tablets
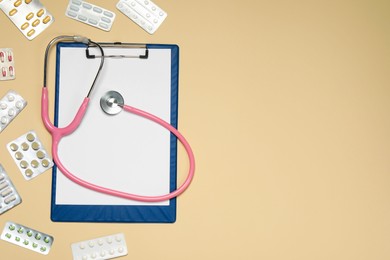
point(27, 237)
point(30, 16)
point(90, 14)
point(107, 247)
point(9, 197)
point(30, 155)
point(145, 13)
point(10, 106)
point(7, 64)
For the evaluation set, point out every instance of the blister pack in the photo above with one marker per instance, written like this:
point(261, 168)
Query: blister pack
point(9, 197)
point(145, 13)
point(26, 237)
point(30, 155)
point(107, 247)
point(10, 106)
point(7, 64)
point(29, 16)
point(90, 14)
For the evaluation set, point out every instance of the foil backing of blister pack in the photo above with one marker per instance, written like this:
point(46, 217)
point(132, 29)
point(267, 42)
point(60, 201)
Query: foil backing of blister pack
point(9, 197)
point(29, 16)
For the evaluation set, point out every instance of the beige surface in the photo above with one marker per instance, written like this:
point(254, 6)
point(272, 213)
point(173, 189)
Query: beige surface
point(286, 104)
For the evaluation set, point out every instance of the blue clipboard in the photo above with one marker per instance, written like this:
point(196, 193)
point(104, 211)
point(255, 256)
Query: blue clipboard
point(71, 209)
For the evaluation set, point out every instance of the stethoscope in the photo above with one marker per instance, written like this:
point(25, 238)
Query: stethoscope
point(112, 103)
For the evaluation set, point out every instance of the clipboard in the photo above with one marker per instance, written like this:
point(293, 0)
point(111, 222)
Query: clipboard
point(123, 152)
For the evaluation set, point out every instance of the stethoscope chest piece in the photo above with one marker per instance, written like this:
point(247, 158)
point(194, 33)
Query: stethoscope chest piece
point(112, 102)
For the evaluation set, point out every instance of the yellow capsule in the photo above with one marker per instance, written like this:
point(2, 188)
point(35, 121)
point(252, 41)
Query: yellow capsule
point(28, 1)
point(30, 33)
point(25, 25)
point(36, 22)
point(12, 12)
point(17, 3)
point(46, 20)
point(40, 12)
point(29, 16)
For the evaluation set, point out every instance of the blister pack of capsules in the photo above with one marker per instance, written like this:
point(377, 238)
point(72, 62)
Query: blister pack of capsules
point(9, 197)
point(7, 64)
point(107, 247)
point(10, 106)
point(29, 155)
point(145, 13)
point(29, 16)
point(90, 14)
point(27, 237)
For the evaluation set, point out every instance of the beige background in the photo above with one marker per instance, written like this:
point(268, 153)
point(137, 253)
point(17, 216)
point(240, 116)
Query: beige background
point(286, 105)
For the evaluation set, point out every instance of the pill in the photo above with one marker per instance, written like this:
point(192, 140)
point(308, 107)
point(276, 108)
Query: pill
point(97, 10)
point(87, 6)
point(9, 199)
point(106, 20)
point(19, 104)
point(29, 16)
point(100, 242)
point(29, 233)
point(43, 249)
point(2, 56)
point(11, 71)
point(71, 14)
point(82, 246)
point(9, 55)
point(40, 12)
point(93, 255)
point(118, 238)
point(3, 185)
point(28, 1)
point(34, 163)
point(25, 146)
point(35, 245)
point(76, 2)
point(4, 71)
point(109, 240)
point(26, 242)
point(36, 22)
point(120, 249)
point(18, 155)
point(35, 146)
point(82, 17)
point(25, 25)
point(91, 244)
point(153, 8)
point(10, 98)
point(14, 147)
point(28, 172)
point(6, 192)
point(12, 12)
point(20, 230)
point(74, 8)
point(38, 236)
point(11, 227)
point(40, 154)
point(85, 257)
point(4, 120)
point(93, 21)
point(30, 137)
point(102, 253)
point(11, 112)
point(103, 25)
point(31, 32)
point(45, 163)
point(109, 14)
point(146, 2)
point(46, 20)
point(8, 235)
point(17, 239)
point(111, 252)
point(3, 106)
point(17, 3)
point(23, 164)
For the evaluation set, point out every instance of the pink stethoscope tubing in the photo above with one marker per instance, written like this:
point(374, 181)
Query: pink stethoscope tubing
point(58, 133)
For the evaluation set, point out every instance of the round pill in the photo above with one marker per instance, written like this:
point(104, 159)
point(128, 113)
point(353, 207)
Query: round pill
point(30, 137)
point(120, 249)
point(18, 155)
point(118, 238)
point(28, 173)
point(25, 146)
point(35, 245)
point(93, 255)
point(17, 239)
point(85, 257)
point(35, 146)
point(41, 154)
point(10, 98)
point(161, 13)
point(8, 235)
point(3, 106)
point(43, 249)
point(109, 240)
point(34, 163)
point(45, 163)
point(26, 242)
point(46, 239)
point(82, 246)
point(19, 104)
point(111, 251)
point(146, 2)
point(11, 112)
point(100, 242)
point(102, 253)
point(4, 120)
point(20, 230)
point(23, 164)
point(29, 233)
point(14, 147)
point(91, 243)
point(11, 227)
point(38, 236)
